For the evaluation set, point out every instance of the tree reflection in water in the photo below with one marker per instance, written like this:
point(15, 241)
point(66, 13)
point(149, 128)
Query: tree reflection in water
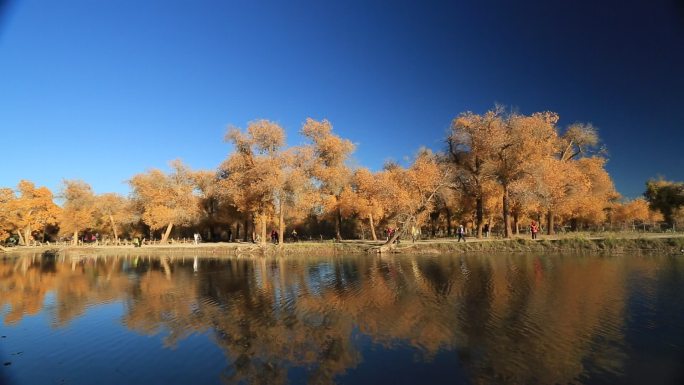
point(516, 319)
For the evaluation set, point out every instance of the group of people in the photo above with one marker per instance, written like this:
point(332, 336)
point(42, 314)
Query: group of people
point(90, 238)
point(461, 233)
point(389, 233)
point(275, 236)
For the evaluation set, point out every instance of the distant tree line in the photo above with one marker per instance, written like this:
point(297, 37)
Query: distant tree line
point(498, 170)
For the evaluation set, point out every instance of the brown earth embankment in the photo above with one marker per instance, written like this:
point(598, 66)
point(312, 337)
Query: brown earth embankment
point(613, 245)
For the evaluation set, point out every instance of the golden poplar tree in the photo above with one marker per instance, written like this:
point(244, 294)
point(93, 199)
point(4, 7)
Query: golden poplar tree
point(367, 198)
point(409, 193)
point(6, 198)
point(217, 209)
point(471, 149)
point(166, 200)
point(295, 195)
point(562, 174)
point(591, 208)
point(79, 211)
point(519, 142)
point(31, 210)
point(254, 173)
point(115, 210)
point(329, 167)
point(631, 213)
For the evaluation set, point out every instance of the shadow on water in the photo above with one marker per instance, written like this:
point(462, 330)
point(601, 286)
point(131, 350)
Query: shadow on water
point(473, 318)
point(48, 262)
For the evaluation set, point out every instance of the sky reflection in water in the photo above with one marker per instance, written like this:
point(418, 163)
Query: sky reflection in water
point(363, 319)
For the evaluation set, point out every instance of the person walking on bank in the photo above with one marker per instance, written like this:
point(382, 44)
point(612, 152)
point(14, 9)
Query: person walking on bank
point(534, 229)
point(461, 233)
point(415, 233)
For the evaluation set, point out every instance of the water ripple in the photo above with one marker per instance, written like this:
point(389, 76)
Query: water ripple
point(503, 318)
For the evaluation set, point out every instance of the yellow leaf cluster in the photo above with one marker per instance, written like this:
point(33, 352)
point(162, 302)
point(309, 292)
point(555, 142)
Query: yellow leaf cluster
point(166, 199)
point(31, 210)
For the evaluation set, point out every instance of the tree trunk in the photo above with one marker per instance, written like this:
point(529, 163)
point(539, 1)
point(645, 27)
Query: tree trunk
point(549, 223)
point(389, 245)
point(281, 224)
point(506, 219)
point(116, 234)
point(411, 219)
point(165, 237)
point(516, 223)
point(27, 235)
point(246, 229)
point(263, 228)
point(479, 215)
point(448, 221)
point(21, 238)
point(433, 228)
point(372, 226)
point(75, 240)
point(338, 225)
point(394, 237)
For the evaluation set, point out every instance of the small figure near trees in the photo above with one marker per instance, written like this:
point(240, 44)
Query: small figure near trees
point(294, 235)
point(534, 229)
point(415, 233)
point(485, 230)
point(391, 232)
point(460, 232)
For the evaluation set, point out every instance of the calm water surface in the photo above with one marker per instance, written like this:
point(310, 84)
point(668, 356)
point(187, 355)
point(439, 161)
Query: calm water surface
point(473, 319)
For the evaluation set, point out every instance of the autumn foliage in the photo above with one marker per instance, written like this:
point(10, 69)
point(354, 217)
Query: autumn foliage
point(27, 212)
point(499, 170)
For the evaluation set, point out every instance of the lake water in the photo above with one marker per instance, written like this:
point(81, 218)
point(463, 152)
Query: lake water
point(448, 319)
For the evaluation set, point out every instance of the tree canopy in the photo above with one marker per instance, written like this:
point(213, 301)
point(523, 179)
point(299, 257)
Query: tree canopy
point(500, 170)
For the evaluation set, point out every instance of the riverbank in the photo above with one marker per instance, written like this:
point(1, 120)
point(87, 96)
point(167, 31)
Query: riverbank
point(660, 243)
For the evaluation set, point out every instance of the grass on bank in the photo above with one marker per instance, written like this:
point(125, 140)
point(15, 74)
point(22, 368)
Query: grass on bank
point(589, 242)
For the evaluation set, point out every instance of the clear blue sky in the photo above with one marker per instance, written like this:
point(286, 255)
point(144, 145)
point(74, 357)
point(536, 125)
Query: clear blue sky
point(101, 90)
